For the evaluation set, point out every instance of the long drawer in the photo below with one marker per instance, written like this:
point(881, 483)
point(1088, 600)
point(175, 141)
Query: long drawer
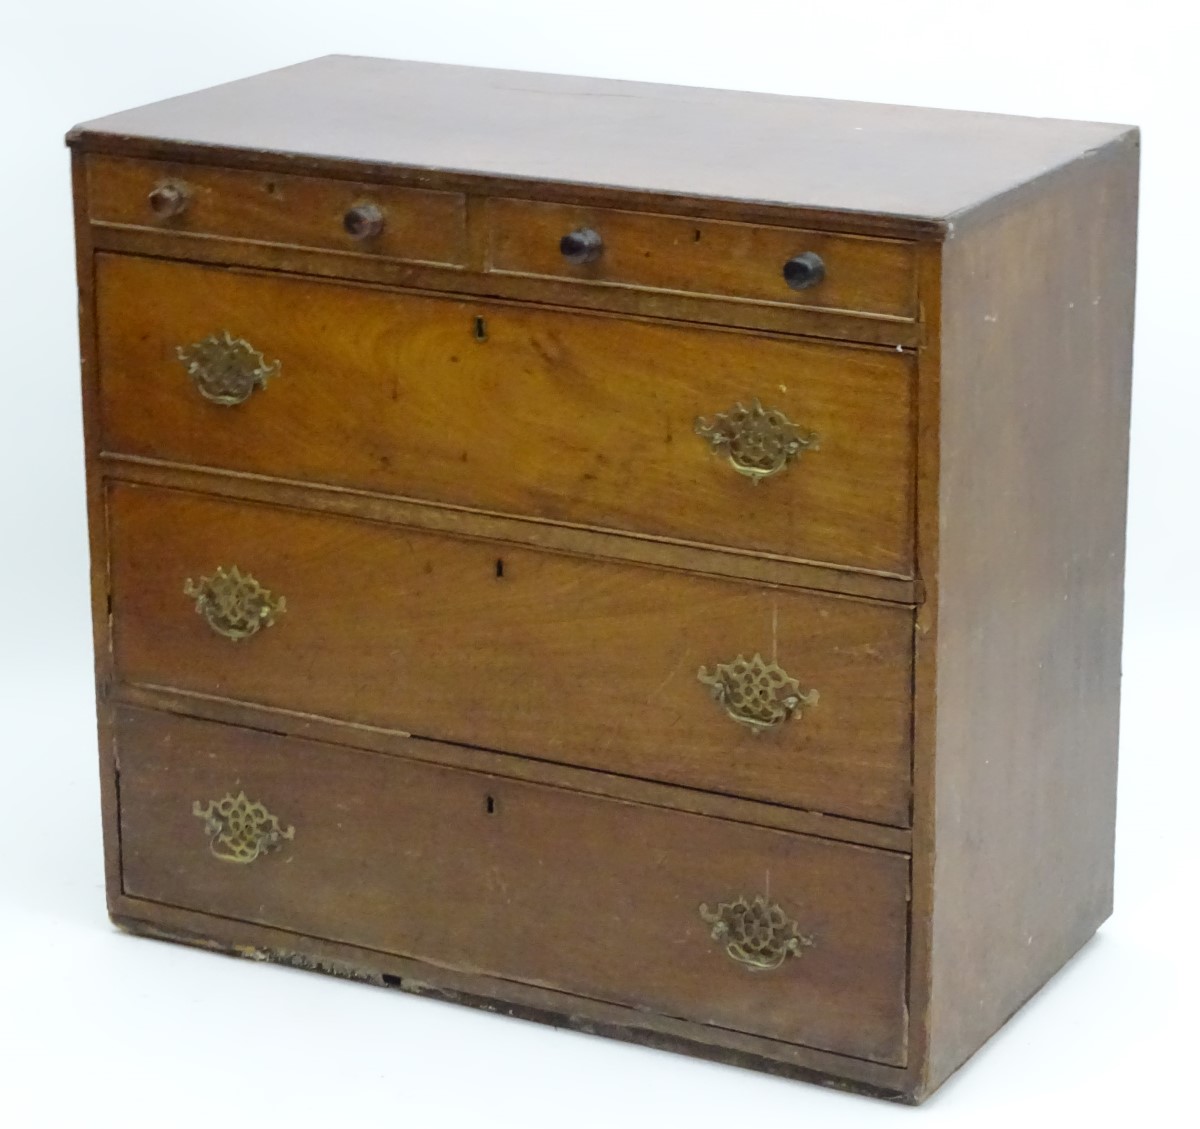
point(778, 695)
point(754, 930)
point(776, 446)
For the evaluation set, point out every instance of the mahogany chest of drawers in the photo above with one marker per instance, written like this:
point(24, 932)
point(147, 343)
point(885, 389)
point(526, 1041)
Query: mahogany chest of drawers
point(641, 558)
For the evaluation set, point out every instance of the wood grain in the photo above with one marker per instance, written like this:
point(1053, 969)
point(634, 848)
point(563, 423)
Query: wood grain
point(851, 159)
point(1028, 588)
point(833, 325)
point(735, 260)
point(97, 525)
point(925, 664)
point(420, 226)
point(544, 418)
point(508, 997)
point(506, 554)
point(508, 530)
point(391, 742)
point(491, 876)
point(575, 661)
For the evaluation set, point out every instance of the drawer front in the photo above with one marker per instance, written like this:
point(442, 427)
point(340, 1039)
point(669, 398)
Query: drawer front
point(414, 225)
point(521, 881)
point(567, 417)
point(704, 257)
point(620, 668)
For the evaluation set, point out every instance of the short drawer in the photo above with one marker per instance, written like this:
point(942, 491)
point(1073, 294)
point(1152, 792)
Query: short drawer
point(771, 694)
point(714, 258)
point(748, 929)
point(382, 221)
point(784, 447)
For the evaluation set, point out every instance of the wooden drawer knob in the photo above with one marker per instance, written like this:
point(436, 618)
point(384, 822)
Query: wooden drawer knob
point(167, 200)
point(363, 221)
point(804, 271)
point(581, 246)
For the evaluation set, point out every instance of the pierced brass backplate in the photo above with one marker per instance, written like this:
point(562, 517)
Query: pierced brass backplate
point(758, 441)
point(235, 605)
point(757, 934)
point(226, 369)
point(755, 693)
point(239, 829)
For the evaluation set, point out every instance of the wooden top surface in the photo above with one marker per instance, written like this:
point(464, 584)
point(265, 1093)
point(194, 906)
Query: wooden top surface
point(926, 165)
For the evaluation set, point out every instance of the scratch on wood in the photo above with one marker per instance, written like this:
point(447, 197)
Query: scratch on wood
point(671, 674)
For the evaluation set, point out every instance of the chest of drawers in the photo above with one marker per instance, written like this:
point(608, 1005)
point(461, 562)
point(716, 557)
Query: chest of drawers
point(640, 558)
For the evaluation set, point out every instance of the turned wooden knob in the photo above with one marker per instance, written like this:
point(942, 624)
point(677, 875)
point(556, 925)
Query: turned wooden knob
point(804, 270)
point(582, 246)
point(167, 200)
point(363, 221)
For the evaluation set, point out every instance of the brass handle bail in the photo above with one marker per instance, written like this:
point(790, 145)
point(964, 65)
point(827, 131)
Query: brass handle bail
point(757, 934)
point(240, 829)
point(755, 693)
point(234, 604)
point(759, 442)
point(225, 369)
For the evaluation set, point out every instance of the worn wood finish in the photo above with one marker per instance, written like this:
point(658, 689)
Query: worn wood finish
point(419, 226)
point(835, 325)
point(506, 997)
point(386, 854)
point(575, 661)
point(917, 168)
point(925, 658)
point(541, 417)
point(97, 526)
point(298, 723)
point(733, 260)
point(507, 530)
point(1030, 564)
point(528, 554)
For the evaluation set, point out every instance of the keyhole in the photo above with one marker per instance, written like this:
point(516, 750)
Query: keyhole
point(499, 568)
point(480, 329)
point(491, 805)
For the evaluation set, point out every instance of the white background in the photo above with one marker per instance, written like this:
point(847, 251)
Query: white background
point(97, 1028)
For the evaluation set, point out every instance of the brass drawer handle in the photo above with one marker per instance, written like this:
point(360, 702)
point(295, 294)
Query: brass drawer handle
point(758, 441)
point(240, 829)
point(755, 693)
point(234, 604)
point(226, 369)
point(757, 934)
